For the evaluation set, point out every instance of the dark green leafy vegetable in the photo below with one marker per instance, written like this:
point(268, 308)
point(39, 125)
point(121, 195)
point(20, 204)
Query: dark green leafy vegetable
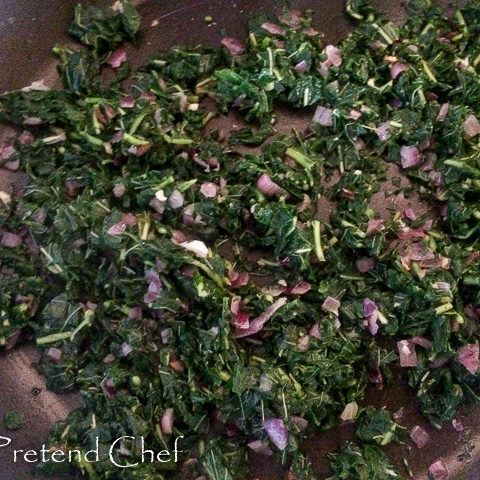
point(189, 290)
point(14, 420)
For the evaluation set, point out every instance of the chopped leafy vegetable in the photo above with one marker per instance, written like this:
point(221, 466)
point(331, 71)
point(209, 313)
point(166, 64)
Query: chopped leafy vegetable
point(190, 289)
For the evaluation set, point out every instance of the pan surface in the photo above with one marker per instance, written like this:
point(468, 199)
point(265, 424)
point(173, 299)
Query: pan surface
point(28, 31)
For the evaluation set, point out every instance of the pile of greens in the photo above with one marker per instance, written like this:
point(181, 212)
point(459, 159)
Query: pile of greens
point(185, 288)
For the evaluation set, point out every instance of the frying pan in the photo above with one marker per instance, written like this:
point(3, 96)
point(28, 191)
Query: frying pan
point(28, 31)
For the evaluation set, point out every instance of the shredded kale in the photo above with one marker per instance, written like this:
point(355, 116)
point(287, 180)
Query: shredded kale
point(189, 285)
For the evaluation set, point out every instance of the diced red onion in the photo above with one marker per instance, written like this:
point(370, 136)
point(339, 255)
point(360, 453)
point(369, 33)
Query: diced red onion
point(407, 233)
point(443, 286)
point(238, 279)
point(300, 422)
point(71, 188)
point(26, 137)
point(311, 32)
point(396, 103)
point(410, 156)
point(331, 305)
point(117, 136)
point(419, 436)
point(129, 219)
point(355, 114)
point(374, 226)
point(438, 470)
point(167, 335)
point(100, 116)
point(38, 85)
point(223, 186)
point(349, 412)
point(54, 354)
point(334, 57)
point(177, 365)
point(300, 288)
point(323, 116)
point(473, 257)
point(258, 447)
point(118, 57)
point(267, 186)
point(273, 28)
point(119, 190)
point(430, 161)
point(208, 189)
point(382, 131)
point(166, 423)
point(155, 286)
point(408, 355)
point(110, 112)
point(11, 240)
point(31, 244)
point(197, 247)
point(141, 150)
point(301, 67)
point(277, 432)
point(315, 331)
point(369, 307)
point(365, 264)
point(457, 425)
point(40, 215)
point(108, 388)
point(178, 236)
point(233, 45)
point(13, 165)
point(370, 312)
point(125, 349)
point(109, 358)
point(410, 214)
point(135, 313)
point(241, 320)
point(214, 163)
point(468, 357)
point(346, 193)
point(471, 126)
point(376, 46)
point(303, 343)
point(7, 150)
point(5, 198)
point(187, 216)
point(176, 199)
point(33, 121)
point(258, 323)
point(436, 178)
point(265, 384)
point(148, 97)
point(127, 102)
point(161, 199)
point(442, 114)
point(360, 144)
point(396, 69)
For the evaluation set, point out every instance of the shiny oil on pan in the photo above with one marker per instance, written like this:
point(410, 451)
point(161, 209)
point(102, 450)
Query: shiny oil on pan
point(28, 31)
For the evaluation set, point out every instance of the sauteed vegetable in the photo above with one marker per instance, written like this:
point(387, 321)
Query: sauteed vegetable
point(184, 279)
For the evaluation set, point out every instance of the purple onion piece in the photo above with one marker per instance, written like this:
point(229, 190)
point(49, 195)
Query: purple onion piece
point(277, 432)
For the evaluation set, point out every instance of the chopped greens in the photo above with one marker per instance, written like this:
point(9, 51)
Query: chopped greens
point(14, 420)
point(188, 285)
